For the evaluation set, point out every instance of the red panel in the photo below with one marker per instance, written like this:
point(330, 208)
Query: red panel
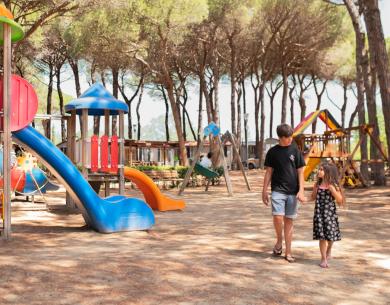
point(24, 103)
point(104, 153)
point(94, 153)
point(114, 154)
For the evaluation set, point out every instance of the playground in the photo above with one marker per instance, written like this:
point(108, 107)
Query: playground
point(217, 251)
point(102, 230)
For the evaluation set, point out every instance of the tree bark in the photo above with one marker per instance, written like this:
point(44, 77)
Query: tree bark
point(216, 93)
point(74, 64)
point(377, 169)
point(255, 86)
point(176, 118)
point(200, 110)
point(49, 101)
point(360, 58)
point(239, 123)
point(141, 92)
point(61, 102)
point(319, 93)
point(290, 94)
point(344, 106)
point(129, 101)
point(284, 96)
point(166, 113)
point(233, 87)
point(262, 125)
point(115, 93)
point(376, 36)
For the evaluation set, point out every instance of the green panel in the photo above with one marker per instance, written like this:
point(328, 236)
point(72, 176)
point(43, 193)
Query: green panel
point(208, 173)
point(16, 30)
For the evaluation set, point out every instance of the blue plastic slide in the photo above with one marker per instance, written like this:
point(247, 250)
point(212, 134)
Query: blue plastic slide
point(112, 214)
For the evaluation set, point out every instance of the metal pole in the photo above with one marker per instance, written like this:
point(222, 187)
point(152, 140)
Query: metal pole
point(7, 54)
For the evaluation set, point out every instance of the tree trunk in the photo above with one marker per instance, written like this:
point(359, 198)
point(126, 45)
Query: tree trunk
point(61, 100)
point(360, 45)
point(284, 96)
point(233, 93)
point(74, 64)
point(49, 100)
point(200, 109)
point(255, 87)
point(183, 116)
point(129, 101)
point(216, 95)
point(377, 169)
point(376, 36)
point(245, 119)
point(208, 98)
point(115, 93)
point(141, 92)
point(344, 107)
point(239, 124)
point(319, 94)
point(176, 118)
point(262, 125)
point(166, 113)
point(290, 93)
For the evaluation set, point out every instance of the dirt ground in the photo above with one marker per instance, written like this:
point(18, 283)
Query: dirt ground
point(216, 251)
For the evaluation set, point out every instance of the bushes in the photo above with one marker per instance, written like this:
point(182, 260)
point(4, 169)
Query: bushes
point(181, 170)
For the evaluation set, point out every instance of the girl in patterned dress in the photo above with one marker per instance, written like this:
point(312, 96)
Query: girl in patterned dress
point(325, 221)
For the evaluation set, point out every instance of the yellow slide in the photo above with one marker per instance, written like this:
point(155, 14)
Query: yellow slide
point(311, 164)
point(152, 194)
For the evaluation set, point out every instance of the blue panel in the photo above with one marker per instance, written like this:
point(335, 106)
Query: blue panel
point(32, 187)
point(103, 215)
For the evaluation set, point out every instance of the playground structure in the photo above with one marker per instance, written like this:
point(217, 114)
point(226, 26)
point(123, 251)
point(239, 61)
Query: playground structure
point(19, 104)
point(102, 158)
point(335, 145)
point(213, 131)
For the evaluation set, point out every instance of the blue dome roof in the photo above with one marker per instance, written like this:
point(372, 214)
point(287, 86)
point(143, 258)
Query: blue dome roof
point(97, 99)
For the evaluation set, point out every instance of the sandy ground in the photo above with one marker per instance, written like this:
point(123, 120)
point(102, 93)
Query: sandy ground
point(216, 251)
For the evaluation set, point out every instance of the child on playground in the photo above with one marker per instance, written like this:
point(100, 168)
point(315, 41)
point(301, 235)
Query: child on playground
point(325, 221)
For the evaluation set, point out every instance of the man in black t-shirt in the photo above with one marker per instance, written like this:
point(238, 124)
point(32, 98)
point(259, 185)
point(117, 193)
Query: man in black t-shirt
point(284, 169)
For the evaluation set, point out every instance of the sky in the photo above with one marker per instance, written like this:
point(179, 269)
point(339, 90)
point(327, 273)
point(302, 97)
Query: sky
point(153, 107)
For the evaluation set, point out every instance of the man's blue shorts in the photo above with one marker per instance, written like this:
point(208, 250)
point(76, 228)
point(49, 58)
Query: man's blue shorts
point(283, 204)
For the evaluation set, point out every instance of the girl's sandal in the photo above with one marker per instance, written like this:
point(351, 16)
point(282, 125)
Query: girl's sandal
point(289, 258)
point(276, 251)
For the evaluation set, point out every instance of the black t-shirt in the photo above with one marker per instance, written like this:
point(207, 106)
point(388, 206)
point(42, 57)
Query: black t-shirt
point(285, 160)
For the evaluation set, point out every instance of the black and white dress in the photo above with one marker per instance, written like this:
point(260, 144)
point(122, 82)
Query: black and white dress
point(325, 220)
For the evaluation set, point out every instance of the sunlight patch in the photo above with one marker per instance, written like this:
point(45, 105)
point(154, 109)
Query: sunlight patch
point(382, 260)
point(305, 244)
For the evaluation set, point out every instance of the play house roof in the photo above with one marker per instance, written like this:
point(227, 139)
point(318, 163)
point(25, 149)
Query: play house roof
point(97, 99)
point(16, 30)
point(324, 115)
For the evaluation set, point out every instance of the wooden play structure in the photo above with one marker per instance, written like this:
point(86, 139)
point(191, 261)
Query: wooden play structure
point(213, 131)
point(334, 145)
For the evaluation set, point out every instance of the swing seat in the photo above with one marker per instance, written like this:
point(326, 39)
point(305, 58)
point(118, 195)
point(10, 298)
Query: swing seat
point(206, 172)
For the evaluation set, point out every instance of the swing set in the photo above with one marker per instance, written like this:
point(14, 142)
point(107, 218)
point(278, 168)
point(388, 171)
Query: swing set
point(213, 131)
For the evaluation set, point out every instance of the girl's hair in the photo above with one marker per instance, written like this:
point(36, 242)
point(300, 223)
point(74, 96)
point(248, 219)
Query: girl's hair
point(332, 176)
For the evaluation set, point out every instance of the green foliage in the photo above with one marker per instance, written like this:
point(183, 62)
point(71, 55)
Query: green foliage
point(181, 170)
